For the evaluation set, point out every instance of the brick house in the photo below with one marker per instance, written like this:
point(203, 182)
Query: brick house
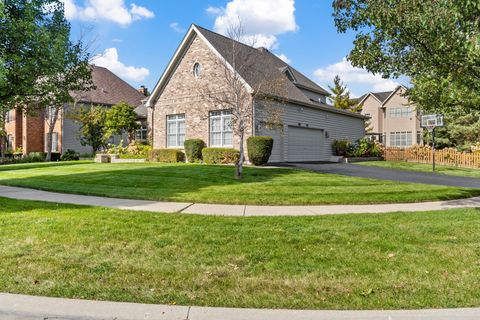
point(394, 120)
point(176, 110)
point(29, 131)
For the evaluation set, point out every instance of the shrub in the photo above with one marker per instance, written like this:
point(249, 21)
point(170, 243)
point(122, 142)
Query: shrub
point(364, 148)
point(35, 157)
point(341, 147)
point(167, 155)
point(193, 149)
point(220, 155)
point(70, 155)
point(259, 149)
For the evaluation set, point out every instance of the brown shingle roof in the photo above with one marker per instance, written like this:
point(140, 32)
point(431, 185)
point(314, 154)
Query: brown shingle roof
point(382, 96)
point(264, 65)
point(110, 90)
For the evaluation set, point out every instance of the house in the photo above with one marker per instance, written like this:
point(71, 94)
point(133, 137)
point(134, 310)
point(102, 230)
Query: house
point(29, 131)
point(176, 110)
point(394, 121)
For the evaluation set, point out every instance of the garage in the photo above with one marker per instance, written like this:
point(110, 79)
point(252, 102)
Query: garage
point(305, 144)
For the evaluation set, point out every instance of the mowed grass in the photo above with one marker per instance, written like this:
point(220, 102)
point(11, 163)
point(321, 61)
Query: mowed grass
point(402, 165)
point(369, 261)
point(215, 184)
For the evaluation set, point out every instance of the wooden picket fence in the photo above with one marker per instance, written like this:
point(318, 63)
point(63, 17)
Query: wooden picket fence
point(448, 157)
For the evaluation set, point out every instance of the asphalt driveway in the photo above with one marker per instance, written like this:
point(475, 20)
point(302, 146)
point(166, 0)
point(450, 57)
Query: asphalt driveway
point(355, 170)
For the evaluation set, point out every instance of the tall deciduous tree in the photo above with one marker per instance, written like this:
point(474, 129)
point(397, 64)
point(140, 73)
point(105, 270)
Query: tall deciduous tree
point(42, 65)
point(121, 118)
point(340, 97)
point(228, 89)
point(435, 43)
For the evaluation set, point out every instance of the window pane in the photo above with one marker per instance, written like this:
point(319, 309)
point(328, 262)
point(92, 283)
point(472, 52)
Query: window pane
point(181, 127)
point(171, 141)
point(216, 125)
point(228, 139)
point(181, 140)
point(172, 128)
point(227, 123)
point(216, 139)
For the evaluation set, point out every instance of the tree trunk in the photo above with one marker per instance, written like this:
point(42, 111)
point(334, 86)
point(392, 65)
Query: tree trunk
point(51, 125)
point(3, 137)
point(239, 164)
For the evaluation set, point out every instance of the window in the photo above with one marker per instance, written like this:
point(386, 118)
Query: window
point(9, 116)
point(197, 70)
point(54, 141)
point(175, 130)
point(400, 112)
point(141, 134)
point(9, 142)
point(51, 113)
point(367, 115)
point(221, 128)
point(401, 139)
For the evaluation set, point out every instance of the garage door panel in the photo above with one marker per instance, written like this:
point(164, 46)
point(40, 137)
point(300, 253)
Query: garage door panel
point(304, 144)
point(277, 150)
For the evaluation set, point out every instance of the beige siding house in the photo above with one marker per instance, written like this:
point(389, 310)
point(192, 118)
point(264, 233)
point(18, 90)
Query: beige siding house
point(177, 111)
point(394, 121)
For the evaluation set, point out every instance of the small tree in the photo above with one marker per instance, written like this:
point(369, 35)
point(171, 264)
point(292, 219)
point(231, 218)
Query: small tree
point(340, 97)
point(229, 90)
point(93, 131)
point(121, 118)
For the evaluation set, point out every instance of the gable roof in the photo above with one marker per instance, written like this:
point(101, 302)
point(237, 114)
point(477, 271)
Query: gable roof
point(381, 97)
point(109, 90)
point(265, 65)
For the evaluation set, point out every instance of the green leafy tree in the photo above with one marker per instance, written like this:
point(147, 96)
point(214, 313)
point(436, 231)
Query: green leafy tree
point(340, 97)
point(461, 130)
point(93, 130)
point(435, 43)
point(41, 66)
point(121, 118)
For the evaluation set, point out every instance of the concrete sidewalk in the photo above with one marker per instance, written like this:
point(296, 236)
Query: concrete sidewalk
point(21, 307)
point(230, 210)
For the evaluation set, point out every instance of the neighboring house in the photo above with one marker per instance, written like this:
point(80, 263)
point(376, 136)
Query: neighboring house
point(29, 131)
point(176, 110)
point(394, 121)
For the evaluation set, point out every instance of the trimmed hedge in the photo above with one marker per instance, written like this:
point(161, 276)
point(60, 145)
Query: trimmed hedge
point(259, 149)
point(193, 149)
point(220, 155)
point(70, 155)
point(167, 155)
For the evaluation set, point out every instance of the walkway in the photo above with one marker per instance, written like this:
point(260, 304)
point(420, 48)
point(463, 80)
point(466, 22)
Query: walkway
point(230, 210)
point(356, 170)
point(21, 307)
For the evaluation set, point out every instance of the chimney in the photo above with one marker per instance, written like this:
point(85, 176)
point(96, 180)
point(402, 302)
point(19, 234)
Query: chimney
point(143, 90)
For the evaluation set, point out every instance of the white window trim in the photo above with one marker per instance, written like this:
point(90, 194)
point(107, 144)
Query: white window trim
point(223, 115)
point(177, 130)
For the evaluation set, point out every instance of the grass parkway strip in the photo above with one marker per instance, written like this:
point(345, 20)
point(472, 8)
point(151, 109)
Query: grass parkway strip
point(387, 261)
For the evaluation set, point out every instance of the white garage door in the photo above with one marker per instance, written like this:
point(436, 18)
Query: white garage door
point(304, 144)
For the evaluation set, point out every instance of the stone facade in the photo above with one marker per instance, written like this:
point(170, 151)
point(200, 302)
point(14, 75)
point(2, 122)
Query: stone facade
point(182, 95)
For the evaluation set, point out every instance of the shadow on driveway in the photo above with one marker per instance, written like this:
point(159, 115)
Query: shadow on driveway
point(355, 170)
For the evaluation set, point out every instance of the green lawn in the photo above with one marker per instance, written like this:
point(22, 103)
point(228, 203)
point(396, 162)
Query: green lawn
point(399, 260)
point(402, 165)
point(215, 184)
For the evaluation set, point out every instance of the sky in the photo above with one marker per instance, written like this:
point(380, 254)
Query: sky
point(136, 39)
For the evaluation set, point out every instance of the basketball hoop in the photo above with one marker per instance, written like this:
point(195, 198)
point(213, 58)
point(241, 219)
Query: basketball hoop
point(430, 127)
point(431, 121)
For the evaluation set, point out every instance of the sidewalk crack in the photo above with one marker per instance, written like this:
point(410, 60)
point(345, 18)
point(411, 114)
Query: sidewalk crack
point(188, 313)
point(183, 209)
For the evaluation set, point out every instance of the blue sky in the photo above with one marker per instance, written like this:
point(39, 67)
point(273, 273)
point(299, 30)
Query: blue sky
point(136, 39)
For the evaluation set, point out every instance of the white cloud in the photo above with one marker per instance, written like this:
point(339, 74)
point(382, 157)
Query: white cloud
point(109, 60)
point(352, 76)
point(263, 20)
point(175, 26)
point(284, 58)
point(109, 10)
point(117, 40)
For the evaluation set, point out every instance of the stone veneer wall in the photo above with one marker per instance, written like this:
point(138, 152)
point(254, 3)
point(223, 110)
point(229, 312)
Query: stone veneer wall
point(182, 96)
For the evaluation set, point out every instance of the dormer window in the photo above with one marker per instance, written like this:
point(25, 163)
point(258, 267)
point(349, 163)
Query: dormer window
point(197, 70)
point(289, 75)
